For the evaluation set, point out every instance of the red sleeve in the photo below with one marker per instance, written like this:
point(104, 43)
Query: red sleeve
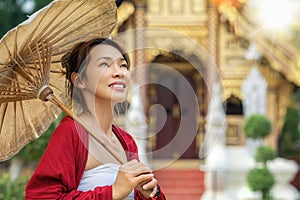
point(59, 171)
point(131, 150)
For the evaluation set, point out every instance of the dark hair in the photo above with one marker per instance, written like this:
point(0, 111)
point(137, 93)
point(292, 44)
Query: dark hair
point(78, 58)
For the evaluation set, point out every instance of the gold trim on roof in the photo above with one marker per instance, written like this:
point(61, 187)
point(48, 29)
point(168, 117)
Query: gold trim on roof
point(282, 56)
point(125, 10)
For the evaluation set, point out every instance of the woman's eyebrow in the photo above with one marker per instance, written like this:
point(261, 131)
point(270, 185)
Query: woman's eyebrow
point(109, 58)
point(104, 58)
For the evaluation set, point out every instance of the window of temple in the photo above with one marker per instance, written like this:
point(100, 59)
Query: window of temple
point(233, 106)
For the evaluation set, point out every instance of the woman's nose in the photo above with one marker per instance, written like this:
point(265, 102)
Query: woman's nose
point(118, 72)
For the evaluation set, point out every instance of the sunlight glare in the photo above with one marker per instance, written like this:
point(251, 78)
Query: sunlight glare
point(278, 15)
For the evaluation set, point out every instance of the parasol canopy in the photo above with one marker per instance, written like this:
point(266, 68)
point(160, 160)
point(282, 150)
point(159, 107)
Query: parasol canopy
point(30, 69)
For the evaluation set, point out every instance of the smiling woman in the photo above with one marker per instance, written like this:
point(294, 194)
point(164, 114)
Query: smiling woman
point(74, 164)
point(105, 65)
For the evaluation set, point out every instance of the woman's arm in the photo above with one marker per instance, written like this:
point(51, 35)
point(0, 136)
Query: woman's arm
point(50, 192)
point(59, 171)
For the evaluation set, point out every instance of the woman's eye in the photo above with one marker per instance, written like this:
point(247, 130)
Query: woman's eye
point(104, 65)
point(124, 66)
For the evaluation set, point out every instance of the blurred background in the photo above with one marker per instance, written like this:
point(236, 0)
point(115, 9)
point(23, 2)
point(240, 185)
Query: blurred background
point(249, 49)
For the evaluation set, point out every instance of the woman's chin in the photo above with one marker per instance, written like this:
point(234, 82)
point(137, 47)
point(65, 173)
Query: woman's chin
point(116, 99)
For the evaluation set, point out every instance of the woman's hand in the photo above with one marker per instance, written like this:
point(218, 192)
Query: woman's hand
point(148, 189)
point(131, 175)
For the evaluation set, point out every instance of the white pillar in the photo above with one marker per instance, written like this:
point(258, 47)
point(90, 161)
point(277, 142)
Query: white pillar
point(136, 122)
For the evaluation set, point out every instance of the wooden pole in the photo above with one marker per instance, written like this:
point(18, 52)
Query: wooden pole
point(98, 138)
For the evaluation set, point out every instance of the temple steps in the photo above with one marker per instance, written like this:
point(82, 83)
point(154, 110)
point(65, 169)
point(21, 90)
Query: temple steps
point(181, 184)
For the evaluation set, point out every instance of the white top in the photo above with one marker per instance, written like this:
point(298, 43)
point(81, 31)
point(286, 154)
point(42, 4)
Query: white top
point(102, 175)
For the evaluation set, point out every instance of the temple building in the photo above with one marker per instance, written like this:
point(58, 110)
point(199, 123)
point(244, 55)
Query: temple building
point(180, 48)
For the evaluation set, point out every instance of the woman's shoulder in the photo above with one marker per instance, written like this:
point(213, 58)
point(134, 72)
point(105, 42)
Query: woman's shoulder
point(67, 121)
point(121, 132)
point(127, 141)
point(69, 127)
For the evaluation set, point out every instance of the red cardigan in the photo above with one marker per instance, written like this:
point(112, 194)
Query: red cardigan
point(60, 169)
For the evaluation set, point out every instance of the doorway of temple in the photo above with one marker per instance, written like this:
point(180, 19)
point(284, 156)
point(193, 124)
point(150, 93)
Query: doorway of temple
point(180, 123)
point(176, 127)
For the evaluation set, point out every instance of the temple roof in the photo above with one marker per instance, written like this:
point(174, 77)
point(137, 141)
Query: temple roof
point(283, 55)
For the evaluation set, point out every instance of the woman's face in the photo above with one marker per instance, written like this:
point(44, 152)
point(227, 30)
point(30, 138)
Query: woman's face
point(107, 74)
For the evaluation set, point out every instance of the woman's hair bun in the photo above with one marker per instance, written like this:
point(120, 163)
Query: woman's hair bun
point(65, 60)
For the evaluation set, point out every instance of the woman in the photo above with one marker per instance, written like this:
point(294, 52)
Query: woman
point(74, 166)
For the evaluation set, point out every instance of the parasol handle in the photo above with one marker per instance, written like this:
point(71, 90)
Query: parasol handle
point(56, 101)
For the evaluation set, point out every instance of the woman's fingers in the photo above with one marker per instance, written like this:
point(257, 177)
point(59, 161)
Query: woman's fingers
point(148, 188)
point(131, 175)
point(135, 168)
point(144, 178)
point(150, 185)
point(154, 191)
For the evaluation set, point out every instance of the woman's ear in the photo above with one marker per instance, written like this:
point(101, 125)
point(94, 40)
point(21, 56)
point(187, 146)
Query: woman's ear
point(76, 80)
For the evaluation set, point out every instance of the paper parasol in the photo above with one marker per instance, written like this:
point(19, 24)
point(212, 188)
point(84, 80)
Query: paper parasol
point(32, 81)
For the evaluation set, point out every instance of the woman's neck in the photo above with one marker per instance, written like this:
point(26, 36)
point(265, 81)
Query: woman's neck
point(100, 116)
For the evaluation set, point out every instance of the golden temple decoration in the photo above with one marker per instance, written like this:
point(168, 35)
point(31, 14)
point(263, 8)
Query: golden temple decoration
point(283, 92)
point(238, 4)
point(232, 87)
point(125, 10)
point(282, 56)
point(172, 41)
point(221, 32)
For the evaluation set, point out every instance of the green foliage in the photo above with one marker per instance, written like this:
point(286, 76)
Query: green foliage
point(32, 152)
point(289, 141)
point(40, 4)
point(261, 179)
point(14, 190)
point(10, 16)
point(257, 126)
point(296, 97)
point(264, 154)
point(11, 13)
